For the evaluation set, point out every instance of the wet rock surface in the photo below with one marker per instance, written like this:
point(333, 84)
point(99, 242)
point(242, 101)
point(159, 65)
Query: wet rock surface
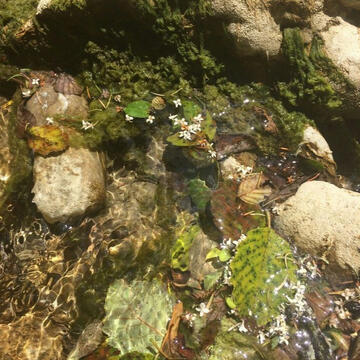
point(68, 185)
point(323, 220)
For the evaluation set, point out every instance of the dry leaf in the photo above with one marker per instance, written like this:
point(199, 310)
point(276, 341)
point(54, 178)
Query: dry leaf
point(251, 190)
point(168, 346)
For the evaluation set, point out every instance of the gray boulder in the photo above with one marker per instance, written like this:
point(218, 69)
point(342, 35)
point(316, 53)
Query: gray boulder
point(324, 221)
point(68, 185)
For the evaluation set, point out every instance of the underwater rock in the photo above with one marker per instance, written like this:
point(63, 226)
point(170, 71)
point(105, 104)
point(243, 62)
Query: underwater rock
point(323, 220)
point(68, 185)
point(251, 26)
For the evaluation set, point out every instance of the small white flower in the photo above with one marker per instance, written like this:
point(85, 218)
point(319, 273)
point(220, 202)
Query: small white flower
point(194, 128)
point(26, 93)
point(261, 337)
point(45, 105)
point(202, 309)
point(182, 122)
point(49, 120)
point(242, 327)
point(173, 117)
point(86, 125)
point(198, 118)
point(150, 119)
point(246, 101)
point(128, 118)
point(117, 98)
point(185, 135)
point(177, 102)
point(35, 81)
point(212, 153)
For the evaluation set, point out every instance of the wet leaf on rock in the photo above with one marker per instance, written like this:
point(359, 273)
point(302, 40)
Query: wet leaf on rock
point(178, 141)
point(228, 214)
point(138, 109)
point(47, 139)
point(251, 190)
point(260, 268)
point(136, 315)
point(200, 194)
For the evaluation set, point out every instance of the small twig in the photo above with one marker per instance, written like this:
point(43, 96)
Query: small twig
point(103, 105)
point(88, 92)
point(268, 218)
point(314, 177)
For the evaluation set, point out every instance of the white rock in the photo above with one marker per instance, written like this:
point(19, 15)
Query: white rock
point(324, 220)
point(68, 185)
point(253, 29)
point(313, 138)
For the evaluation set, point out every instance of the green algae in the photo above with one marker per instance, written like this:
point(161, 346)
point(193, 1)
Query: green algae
point(308, 83)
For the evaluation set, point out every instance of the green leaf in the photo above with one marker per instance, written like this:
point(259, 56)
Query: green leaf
point(136, 315)
point(260, 268)
point(47, 139)
point(190, 109)
point(223, 254)
point(200, 194)
point(211, 279)
point(209, 127)
point(230, 303)
point(138, 109)
point(178, 141)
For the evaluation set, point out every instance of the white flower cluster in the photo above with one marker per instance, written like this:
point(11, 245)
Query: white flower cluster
point(86, 125)
point(341, 312)
point(308, 268)
point(299, 299)
point(279, 328)
point(244, 170)
point(231, 244)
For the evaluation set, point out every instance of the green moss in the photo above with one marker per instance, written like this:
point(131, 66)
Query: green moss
point(239, 117)
point(21, 165)
point(14, 14)
point(308, 82)
point(62, 5)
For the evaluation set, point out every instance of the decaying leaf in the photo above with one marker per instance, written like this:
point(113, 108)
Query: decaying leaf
point(47, 139)
point(262, 265)
point(251, 190)
point(136, 315)
point(168, 346)
point(230, 217)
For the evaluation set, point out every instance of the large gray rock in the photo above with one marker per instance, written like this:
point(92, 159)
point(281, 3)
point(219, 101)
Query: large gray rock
point(49, 103)
point(341, 44)
point(324, 220)
point(251, 26)
point(68, 185)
